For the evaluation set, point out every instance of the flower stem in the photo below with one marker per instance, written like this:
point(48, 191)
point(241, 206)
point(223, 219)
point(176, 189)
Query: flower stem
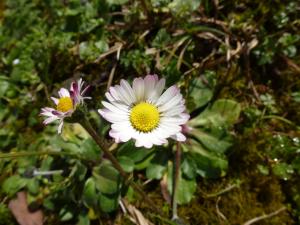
point(177, 162)
point(102, 144)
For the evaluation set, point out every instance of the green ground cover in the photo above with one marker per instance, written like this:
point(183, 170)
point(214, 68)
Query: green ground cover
point(237, 64)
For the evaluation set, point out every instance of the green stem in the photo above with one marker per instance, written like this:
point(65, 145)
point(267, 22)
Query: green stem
point(104, 147)
point(177, 162)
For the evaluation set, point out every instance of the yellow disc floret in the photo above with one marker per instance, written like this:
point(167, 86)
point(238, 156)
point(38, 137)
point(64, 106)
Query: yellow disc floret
point(65, 104)
point(144, 117)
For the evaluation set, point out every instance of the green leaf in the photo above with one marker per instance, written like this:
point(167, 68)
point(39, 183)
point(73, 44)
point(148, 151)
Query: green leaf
point(108, 203)
point(14, 184)
point(185, 189)
point(135, 154)
point(48, 203)
point(296, 164)
point(102, 45)
point(180, 7)
point(145, 163)
point(4, 86)
point(65, 214)
point(107, 178)
point(126, 163)
point(263, 169)
point(201, 90)
point(60, 144)
point(283, 170)
point(78, 171)
point(161, 39)
point(116, 2)
point(223, 112)
point(140, 156)
point(33, 186)
point(211, 142)
point(296, 96)
point(90, 150)
point(89, 50)
point(157, 166)
point(209, 164)
point(90, 193)
point(189, 167)
point(83, 219)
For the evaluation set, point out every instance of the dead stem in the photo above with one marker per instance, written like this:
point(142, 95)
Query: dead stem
point(263, 217)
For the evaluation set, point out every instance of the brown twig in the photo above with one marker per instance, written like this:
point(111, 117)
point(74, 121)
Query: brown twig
point(263, 217)
point(111, 76)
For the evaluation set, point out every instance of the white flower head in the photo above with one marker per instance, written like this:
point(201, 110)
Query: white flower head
point(144, 112)
point(66, 104)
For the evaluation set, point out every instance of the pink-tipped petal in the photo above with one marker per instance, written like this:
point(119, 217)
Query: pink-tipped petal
point(60, 126)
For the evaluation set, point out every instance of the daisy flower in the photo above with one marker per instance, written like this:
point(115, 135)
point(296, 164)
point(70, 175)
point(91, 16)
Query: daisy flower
point(144, 112)
point(65, 104)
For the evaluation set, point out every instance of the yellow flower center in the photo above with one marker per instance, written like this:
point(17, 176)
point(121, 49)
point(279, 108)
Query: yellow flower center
point(144, 117)
point(65, 104)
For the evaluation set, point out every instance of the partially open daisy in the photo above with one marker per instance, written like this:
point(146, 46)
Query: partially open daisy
point(65, 104)
point(144, 113)
point(76, 92)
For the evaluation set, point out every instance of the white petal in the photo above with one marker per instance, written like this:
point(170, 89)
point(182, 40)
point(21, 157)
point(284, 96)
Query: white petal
point(163, 133)
point(147, 140)
point(185, 116)
point(114, 93)
point(167, 95)
point(109, 97)
point(177, 110)
point(123, 133)
point(63, 93)
point(150, 82)
point(179, 137)
point(171, 103)
point(174, 119)
point(156, 138)
point(80, 84)
point(50, 119)
point(160, 86)
point(48, 114)
point(115, 135)
point(55, 100)
point(112, 117)
point(128, 89)
point(121, 126)
point(123, 94)
point(139, 89)
point(122, 106)
point(158, 90)
point(170, 128)
point(47, 109)
point(60, 126)
point(125, 136)
point(117, 108)
point(143, 141)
